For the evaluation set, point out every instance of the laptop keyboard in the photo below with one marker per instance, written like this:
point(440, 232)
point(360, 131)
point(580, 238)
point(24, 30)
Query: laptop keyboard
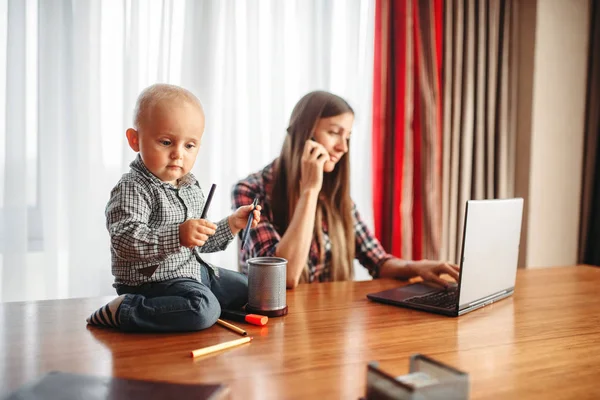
point(442, 299)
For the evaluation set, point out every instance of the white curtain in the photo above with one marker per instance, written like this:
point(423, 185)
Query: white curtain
point(71, 71)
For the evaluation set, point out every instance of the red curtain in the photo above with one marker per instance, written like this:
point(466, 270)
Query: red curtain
point(407, 118)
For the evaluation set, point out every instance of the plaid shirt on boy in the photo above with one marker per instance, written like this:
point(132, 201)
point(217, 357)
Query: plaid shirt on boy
point(265, 237)
point(143, 217)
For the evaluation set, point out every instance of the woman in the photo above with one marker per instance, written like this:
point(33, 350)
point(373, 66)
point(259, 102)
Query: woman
point(308, 216)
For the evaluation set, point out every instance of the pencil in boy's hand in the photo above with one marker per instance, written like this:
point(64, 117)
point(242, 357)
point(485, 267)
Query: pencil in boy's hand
point(218, 347)
point(249, 223)
point(232, 327)
point(208, 200)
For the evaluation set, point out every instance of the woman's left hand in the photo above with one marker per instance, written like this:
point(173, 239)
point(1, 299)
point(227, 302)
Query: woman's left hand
point(430, 271)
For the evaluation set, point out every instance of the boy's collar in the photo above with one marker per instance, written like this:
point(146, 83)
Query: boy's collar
point(138, 165)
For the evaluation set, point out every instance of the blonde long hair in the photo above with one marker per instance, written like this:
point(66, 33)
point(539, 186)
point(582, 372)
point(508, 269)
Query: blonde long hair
point(334, 204)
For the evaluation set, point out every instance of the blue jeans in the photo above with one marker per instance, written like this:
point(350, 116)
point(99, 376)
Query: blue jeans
point(182, 304)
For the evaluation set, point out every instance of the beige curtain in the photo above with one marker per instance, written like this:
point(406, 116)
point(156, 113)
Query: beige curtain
point(479, 100)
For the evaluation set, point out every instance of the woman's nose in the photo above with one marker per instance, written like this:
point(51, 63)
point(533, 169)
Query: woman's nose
point(342, 145)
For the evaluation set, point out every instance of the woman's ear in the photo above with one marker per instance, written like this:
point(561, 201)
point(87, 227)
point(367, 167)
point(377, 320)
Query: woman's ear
point(133, 139)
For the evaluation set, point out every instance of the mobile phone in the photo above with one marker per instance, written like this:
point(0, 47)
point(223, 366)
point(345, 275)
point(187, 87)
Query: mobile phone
point(314, 140)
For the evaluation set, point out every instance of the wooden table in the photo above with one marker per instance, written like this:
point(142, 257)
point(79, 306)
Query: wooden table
point(544, 342)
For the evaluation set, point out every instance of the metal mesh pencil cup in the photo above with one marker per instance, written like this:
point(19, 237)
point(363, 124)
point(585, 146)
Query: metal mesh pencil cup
point(266, 286)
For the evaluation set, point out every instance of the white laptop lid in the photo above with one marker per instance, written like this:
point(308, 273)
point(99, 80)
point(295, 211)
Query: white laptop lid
point(490, 248)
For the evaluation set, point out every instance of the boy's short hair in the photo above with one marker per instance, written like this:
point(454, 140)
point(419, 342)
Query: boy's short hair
point(159, 93)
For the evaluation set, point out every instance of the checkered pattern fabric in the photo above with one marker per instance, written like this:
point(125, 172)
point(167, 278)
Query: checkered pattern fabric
point(143, 217)
point(263, 239)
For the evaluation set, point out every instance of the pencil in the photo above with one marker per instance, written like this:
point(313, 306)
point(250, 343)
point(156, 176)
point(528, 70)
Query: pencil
point(232, 327)
point(249, 223)
point(221, 346)
point(208, 200)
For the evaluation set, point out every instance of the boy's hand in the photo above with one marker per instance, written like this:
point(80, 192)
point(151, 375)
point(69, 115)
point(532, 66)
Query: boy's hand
point(195, 232)
point(239, 219)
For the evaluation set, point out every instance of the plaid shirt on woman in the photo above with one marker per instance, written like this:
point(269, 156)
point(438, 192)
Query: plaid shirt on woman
point(143, 217)
point(264, 239)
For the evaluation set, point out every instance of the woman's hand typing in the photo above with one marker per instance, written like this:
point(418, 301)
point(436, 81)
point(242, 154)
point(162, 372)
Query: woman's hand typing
point(428, 270)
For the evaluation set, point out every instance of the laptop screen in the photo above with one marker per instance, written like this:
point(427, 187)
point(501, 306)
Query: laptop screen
point(490, 253)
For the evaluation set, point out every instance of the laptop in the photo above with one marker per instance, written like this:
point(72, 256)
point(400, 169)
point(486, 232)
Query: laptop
point(490, 253)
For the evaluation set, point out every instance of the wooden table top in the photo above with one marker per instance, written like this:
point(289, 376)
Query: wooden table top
point(542, 342)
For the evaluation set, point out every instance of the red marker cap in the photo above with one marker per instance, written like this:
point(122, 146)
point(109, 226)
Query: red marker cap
point(255, 319)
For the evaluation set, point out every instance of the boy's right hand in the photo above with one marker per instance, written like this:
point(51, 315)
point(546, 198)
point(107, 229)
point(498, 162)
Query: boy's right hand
point(195, 232)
